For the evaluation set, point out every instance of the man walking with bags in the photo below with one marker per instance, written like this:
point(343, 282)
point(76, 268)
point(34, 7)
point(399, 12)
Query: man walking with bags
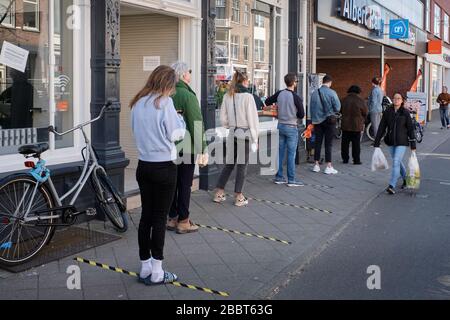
point(324, 106)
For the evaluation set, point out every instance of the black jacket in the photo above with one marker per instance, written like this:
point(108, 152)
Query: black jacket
point(398, 127)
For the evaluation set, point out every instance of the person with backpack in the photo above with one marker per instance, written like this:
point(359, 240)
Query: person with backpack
point(238, 114)
point(324, 106)
point(290, 110)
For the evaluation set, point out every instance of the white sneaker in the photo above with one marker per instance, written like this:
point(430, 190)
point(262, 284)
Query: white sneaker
point(316, 168)
point(330, 170)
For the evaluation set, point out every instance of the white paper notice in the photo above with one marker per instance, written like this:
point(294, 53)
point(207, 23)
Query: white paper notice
point(151, 63)
point(14, 56)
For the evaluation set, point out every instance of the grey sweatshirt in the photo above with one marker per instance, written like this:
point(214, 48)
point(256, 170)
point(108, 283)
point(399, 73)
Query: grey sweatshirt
point(156, 129)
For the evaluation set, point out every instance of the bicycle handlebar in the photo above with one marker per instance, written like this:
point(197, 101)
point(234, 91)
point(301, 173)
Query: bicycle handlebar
point(106, 106)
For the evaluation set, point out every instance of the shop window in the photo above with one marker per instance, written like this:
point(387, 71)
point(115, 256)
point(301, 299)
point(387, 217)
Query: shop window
point(246, 14)
point(236, 11)
point(436, 77)
point(8, 13)
point(446, 29)
point(220, 9)
point(246, 49)
point(31, 14)
point(437, 21)
point(25, 97)
point(235, 47)
point(259, 50)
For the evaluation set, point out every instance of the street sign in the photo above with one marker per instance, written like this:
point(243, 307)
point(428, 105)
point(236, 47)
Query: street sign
point(399, 29)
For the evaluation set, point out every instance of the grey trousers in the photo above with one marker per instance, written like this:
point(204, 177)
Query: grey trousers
point(237, 156)
point(375, 119)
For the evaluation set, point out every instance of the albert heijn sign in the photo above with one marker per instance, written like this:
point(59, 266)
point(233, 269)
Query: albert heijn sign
point(369, 16)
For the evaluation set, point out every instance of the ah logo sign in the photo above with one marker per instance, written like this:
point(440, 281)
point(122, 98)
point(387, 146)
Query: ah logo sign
point(399, 29)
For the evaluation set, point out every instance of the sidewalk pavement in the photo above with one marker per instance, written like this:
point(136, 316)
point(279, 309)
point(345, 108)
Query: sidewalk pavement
point(243, 266)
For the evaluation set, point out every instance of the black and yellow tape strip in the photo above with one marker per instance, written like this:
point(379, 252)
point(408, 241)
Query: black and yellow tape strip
point(248, 234)
point(288, 205)
point(134, 274)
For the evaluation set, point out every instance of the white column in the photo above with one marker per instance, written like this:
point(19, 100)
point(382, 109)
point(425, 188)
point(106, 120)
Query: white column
point(189, 48)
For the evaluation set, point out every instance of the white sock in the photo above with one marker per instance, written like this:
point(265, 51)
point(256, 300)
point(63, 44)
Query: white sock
point(146, 268)
point(158, 273)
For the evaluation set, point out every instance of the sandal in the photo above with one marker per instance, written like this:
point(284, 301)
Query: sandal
point(169, 278)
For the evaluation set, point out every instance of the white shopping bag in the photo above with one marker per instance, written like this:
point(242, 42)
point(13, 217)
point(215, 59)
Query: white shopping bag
point(379, 161)
point(413, 174)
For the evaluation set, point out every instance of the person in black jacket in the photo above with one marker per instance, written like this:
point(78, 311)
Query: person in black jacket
point(397, 125)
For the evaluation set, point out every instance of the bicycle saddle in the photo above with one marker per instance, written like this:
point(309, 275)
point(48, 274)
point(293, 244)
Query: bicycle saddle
point(35, 149)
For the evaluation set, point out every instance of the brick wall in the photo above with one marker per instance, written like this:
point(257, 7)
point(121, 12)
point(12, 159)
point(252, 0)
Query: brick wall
point(347, 72)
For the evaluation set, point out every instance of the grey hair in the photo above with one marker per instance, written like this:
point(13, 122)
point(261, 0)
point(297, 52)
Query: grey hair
point(180, 69)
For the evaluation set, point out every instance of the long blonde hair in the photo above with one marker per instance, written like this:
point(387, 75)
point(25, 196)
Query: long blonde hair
point(161, 82)
point(238, 79)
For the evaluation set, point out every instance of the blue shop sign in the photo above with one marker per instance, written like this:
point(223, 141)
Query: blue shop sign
point(399, 29)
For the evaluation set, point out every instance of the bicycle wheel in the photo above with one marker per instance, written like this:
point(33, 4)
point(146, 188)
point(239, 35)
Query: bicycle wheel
point(110, 200)
point(20, 241)
point(419, 135)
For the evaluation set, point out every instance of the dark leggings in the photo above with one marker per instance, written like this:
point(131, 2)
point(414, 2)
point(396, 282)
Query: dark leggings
point(157, 182)
point(235, 153)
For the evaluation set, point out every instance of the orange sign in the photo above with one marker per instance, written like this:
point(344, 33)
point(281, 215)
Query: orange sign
point(435, 47)
point(62, 106)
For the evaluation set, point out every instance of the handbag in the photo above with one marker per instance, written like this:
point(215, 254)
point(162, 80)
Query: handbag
point(332, 119)
point(239, 132)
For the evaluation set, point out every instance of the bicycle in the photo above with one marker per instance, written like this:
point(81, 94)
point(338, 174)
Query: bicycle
point(31, 209)
point(368, 130)
point(338, 130)
point(418, 128)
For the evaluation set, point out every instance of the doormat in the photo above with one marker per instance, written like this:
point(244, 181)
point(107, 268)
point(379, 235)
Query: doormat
point(65, 243)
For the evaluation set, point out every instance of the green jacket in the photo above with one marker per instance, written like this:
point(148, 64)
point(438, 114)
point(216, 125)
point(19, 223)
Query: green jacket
point(185, 100)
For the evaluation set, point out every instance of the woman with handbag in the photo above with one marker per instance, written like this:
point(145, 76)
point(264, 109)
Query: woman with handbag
point(238, 114)
point(396, 123)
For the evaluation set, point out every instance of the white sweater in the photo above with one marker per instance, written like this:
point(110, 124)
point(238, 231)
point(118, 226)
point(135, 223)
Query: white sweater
point(246, 114)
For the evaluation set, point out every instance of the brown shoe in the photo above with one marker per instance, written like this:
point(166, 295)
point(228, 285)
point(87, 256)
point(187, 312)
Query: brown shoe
point(186, 227)
point(172, 224)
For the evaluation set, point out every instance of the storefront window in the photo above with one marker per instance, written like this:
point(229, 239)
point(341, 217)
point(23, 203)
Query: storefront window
point(436, 73)
point(25, 99)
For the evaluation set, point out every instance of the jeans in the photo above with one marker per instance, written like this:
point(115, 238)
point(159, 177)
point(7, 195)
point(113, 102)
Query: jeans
point(375, 119)
point(355, 139)
point(444, 117)
point(182, 199)
point(233, 148)
point(157, 182)
point(398, 168)
point(288, 140)
point(320, 131)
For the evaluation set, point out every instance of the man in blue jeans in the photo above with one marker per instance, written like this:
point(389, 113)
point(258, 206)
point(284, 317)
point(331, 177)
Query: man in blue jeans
point(290, 110)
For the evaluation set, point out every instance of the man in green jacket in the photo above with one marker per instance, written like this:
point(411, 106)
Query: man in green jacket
point(190, 149)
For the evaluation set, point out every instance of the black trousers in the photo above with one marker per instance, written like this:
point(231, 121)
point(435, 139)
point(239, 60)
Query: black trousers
point(238, 155)
point(321, 131)
point(182, 198)
point(157, 182)
point(355, 139)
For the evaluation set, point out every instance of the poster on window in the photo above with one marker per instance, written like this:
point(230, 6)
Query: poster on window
point(417, 102)
point(14, 56)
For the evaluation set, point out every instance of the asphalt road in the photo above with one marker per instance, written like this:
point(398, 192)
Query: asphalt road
point(407, 237)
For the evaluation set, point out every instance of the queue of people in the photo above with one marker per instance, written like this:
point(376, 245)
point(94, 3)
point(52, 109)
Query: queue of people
point(168, 129)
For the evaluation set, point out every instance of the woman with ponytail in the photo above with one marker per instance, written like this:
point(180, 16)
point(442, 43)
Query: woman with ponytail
point(238, 114)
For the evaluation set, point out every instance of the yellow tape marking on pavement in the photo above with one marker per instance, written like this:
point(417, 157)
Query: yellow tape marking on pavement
point(245, 234)
point(291, 205)
point(134, 274)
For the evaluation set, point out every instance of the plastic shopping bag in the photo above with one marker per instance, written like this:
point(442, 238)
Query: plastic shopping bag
point(379, 161)
point(413, 173)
